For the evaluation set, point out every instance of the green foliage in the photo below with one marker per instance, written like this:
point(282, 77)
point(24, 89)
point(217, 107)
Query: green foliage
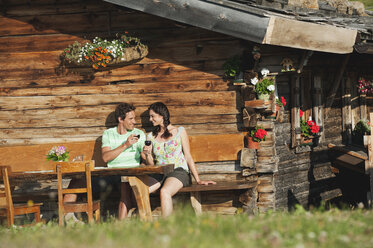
point(362, 127)
point(262, 86)
point(232, 67)
point(304, 128)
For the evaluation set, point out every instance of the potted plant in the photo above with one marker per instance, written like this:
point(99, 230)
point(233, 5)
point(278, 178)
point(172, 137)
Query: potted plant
point(100, 53)
point(232, 67)
point(309, 130)
point(58, 154)
point(365, 87)
point(265, 86)
point(362, 129)
point(256, 135)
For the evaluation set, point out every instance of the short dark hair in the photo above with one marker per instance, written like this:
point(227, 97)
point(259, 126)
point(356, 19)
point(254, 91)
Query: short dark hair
point(122, 110)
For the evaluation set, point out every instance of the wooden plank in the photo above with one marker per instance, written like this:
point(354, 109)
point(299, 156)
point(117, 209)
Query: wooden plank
point(218, 187)
point(33, 157)
point(122, 87)
point(217, 147)
point(85, 112)
point(176, 98)
point(310, 36)
point(344, 150)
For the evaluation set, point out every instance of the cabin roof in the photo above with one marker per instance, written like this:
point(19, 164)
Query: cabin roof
point(323, 29)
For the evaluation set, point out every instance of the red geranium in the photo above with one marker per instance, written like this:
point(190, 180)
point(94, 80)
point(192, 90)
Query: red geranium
point(283, 101)
point(315, 129)
point(311, 123)
point(258, 134)
point(300, 113)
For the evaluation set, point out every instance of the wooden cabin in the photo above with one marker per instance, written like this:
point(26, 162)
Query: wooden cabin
point(44, 102)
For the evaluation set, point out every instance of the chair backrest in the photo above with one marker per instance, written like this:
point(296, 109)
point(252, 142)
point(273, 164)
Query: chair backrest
point(74, 168)
point(5, 193)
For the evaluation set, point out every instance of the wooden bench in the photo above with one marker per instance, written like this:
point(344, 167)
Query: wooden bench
point(204, 149)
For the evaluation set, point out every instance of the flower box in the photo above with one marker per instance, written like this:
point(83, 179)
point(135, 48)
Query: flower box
point(100, 53)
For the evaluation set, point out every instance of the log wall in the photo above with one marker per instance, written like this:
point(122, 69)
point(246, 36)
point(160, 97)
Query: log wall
point(42, 102)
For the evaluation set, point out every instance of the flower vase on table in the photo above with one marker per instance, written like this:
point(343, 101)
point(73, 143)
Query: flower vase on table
point(58, 154)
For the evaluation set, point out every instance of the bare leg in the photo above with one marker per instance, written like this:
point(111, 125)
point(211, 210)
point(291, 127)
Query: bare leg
point(153, 185)
point(171, 186)
point(74, 183)
point(125, 202)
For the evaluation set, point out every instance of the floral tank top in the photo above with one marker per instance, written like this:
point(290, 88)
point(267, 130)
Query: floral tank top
point(169, 152)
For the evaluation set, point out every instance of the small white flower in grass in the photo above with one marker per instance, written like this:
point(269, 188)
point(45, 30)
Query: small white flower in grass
point(311, 235)
point(264, 72)
point(254, 81)
point(271, 87)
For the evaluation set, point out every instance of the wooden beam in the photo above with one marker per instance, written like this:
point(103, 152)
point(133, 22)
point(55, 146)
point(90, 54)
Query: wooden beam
point(335, 86)
point(295, 116)
point(369, 163)
point(318, 106)
point(347, 110)
point(310, 36)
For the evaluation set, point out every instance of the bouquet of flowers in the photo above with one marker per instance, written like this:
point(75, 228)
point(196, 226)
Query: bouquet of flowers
point(58, 153)
point(258, 134)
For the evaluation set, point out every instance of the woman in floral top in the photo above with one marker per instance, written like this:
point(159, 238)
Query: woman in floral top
point(169, 145)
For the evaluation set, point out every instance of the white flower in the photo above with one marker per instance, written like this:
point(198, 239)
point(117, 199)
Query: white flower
point(264, 72)
point(271, 87)
point(254, 80)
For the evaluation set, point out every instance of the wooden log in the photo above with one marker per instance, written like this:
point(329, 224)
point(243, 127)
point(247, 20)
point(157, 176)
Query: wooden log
point(123, 88)
point(266, 197)
point(295, 120)
point(266, 167)
point(266, 151)
point(318, 113)
point(335, 86)
point(177, 98)
point(265, 188)
point(248, 172)
point(346, 109)
point(248, 158)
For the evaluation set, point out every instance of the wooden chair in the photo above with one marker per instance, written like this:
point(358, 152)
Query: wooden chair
point(89, 206)
point(7, 208)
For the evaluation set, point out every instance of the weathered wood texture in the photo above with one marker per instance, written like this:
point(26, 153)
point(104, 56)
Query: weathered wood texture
point(305, 178)
point(42, 102)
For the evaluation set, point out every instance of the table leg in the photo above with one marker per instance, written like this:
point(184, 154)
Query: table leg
point(141, 191)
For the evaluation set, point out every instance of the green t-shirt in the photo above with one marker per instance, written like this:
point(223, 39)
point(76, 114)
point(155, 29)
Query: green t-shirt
point(129, 157)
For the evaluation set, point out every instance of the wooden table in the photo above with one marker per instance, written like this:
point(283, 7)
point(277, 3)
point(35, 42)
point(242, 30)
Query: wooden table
point(137, 177)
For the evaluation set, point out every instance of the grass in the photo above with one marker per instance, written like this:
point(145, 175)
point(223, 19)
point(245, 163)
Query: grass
point(367, 3)
point(333, 228)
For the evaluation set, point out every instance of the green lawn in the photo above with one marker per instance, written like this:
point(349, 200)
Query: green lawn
point(333, 228)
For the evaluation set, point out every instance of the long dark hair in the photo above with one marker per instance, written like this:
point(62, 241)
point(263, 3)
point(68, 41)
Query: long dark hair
point(161, 109)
